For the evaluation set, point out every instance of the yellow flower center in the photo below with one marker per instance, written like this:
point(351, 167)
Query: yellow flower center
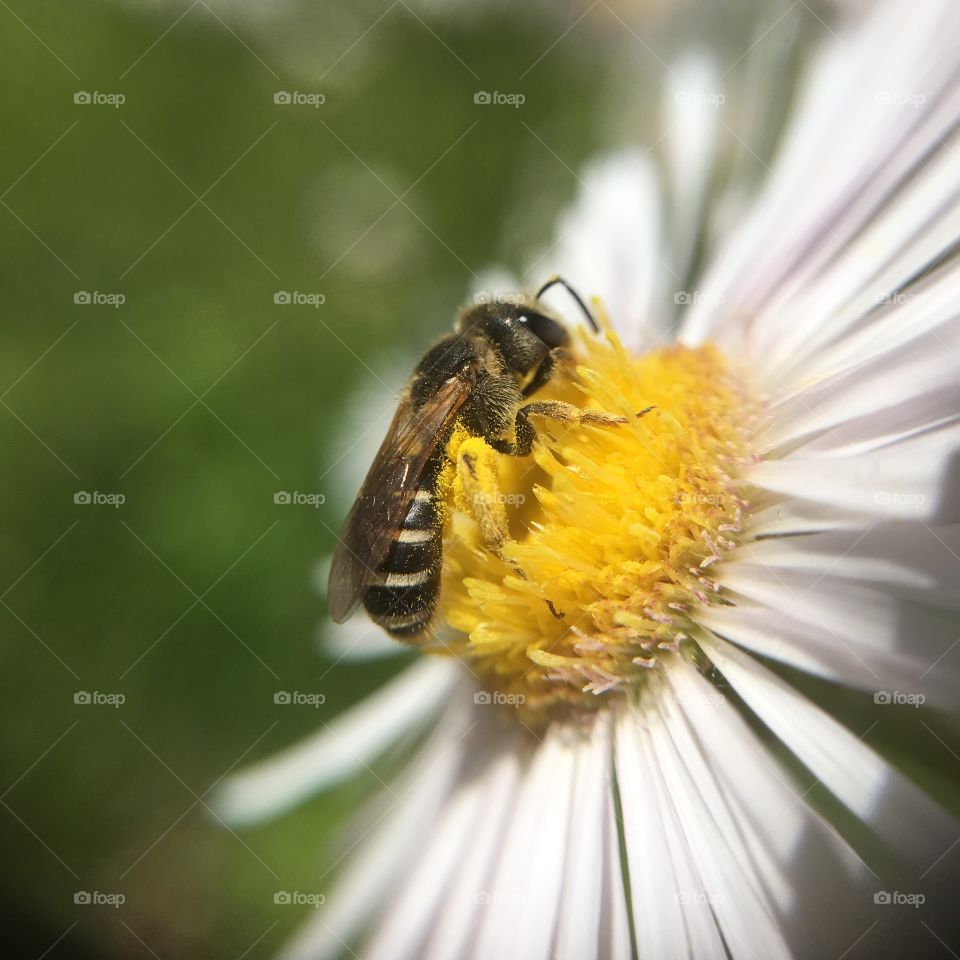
point(574, 572)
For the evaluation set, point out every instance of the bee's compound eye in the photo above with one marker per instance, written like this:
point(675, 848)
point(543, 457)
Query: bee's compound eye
point(553, 334)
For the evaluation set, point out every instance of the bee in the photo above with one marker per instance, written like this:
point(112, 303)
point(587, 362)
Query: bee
point(477, 378)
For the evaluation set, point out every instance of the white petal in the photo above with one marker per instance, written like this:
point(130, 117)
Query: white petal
point(870, 639)
point(378, 862)
point(492, 283)
point(578, 930)
point(615, 934)
point(609, 245)
point(469, 896)
point(527, 885)
point(656, 854)
point(913, 478)
point(907, 388)
point(691, 119)
point(341, 748)
point(911, 560)
point(822, 227)
point(430, 879)
point(787, 855)
point(823, 653)
point(892, 320)
point(906, 238)
point(772, 516)
point(357, 640)
point(862, 780)
point(695, 704)
point(710, 831)
point(727, 881)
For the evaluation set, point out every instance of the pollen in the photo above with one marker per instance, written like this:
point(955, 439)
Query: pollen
point(572, 574)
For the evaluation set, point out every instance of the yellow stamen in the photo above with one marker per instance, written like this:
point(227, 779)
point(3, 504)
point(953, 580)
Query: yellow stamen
point(575, 571)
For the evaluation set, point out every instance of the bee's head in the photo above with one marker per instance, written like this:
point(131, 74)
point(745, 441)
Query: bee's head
point(521, 333)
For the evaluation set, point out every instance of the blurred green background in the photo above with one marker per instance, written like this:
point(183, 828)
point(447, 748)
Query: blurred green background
point(198, 200)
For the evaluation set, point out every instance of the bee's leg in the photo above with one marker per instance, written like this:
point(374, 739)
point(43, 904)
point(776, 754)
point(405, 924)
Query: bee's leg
point(478, 494)
point(477, 488)
point(524, 430)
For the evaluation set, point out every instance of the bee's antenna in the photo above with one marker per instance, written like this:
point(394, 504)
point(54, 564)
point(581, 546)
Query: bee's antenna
point(553, 281)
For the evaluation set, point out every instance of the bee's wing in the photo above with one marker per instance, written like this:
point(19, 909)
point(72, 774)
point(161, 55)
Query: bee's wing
point(387, 492)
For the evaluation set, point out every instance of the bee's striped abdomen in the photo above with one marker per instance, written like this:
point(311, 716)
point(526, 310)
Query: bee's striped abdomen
point(409, 579)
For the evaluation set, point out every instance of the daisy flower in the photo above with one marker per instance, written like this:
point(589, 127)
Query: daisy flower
point(611, 755)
